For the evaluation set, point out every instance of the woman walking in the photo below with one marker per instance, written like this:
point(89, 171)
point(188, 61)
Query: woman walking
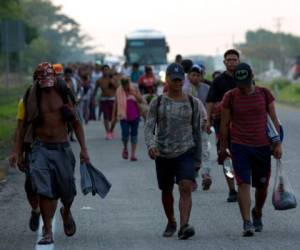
point(127, 111)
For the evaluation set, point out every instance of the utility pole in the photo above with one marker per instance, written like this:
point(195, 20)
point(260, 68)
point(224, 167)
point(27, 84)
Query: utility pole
point(278, 24)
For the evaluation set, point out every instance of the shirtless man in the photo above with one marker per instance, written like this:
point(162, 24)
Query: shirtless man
point(108, 85)
point(51, 160)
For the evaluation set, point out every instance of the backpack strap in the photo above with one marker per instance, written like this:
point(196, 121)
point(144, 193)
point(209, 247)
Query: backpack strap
point(157, 111)
point(25, 100)
point(192, 106)
point(65, 93)
point(266, 99)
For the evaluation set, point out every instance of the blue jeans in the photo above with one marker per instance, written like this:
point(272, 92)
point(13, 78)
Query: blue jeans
point(130, 128)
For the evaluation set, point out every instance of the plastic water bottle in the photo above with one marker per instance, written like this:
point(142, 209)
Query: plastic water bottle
point(228, 170)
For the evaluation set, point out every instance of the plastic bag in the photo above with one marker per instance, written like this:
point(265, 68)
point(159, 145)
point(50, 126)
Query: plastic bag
point(283, 197)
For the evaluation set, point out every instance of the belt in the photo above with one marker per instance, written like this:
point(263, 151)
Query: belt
point(52, 146)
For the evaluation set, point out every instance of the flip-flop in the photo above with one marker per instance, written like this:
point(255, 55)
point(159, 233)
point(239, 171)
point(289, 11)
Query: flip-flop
point(133, 158)
point(70, 226)
point(125, 154)
point(46, 240)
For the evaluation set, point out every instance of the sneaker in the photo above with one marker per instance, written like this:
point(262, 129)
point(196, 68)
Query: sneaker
point(34, 221)
point(170, 229)
point(107, 136)
point(248, 229)
point(232, 197)
point(185, 232)
point(206, 182)
point(257, 222)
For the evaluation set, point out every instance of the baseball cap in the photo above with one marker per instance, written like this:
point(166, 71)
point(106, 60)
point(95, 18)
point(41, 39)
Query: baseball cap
point(175, 71)
point(58, 68)
point(243, 74)
point(196, 68)
point(44, 75)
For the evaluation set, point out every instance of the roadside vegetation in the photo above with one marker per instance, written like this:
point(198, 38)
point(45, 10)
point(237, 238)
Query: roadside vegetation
point(8, 109)
point(285, 91)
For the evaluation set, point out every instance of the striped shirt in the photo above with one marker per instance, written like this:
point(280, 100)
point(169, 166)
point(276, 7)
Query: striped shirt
point(248, 116)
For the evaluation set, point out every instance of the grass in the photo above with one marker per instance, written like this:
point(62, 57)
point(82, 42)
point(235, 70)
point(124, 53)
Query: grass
point(290, 94)
point(285, 91)
point(9, 98)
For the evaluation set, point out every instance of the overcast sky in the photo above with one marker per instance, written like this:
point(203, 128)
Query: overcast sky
point(190, 26)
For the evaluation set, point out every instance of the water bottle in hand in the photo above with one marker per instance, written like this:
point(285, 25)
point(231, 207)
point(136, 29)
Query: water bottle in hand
point(228, 170)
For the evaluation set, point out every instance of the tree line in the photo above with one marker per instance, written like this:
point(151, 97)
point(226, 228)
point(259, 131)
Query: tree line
point(49, 34)
point(262, 46)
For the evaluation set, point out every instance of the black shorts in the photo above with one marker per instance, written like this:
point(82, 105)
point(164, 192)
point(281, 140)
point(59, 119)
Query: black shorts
point(174, 170)
point(252, 165)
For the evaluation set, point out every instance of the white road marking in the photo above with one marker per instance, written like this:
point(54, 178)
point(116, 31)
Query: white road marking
point(87, 208)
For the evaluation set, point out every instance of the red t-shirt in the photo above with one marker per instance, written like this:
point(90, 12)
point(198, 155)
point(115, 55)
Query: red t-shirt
point(248, 116)
point(147, 82)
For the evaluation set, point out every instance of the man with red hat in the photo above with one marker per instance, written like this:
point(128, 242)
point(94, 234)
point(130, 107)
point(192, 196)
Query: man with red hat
point(51, 161)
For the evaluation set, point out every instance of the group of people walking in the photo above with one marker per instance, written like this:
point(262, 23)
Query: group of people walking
point(177, 129)
point(176, 133)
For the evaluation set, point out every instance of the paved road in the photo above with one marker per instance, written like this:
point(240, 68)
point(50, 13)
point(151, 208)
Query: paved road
point(131, 216)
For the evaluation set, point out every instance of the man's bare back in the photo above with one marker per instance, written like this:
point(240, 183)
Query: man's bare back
point(52, 127)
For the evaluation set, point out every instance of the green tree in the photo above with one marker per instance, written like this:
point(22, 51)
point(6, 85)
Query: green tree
point(60, 36)
point(263, 46)
point(10, 9)
point(50, 35)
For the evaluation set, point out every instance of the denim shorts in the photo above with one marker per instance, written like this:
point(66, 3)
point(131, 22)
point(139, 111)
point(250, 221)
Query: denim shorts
point(174, 170)
point(52, 170)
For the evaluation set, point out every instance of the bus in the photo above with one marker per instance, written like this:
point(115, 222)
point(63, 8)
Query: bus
point(146, 47)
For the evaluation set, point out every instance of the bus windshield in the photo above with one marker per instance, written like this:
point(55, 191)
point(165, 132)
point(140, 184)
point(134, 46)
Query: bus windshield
point(146, 51)
point(146, 56)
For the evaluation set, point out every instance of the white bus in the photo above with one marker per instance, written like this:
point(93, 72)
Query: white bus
point(146, 47)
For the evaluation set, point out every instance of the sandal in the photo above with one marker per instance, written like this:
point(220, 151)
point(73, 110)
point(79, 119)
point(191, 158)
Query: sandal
point(125, 154)
point(206, 182)
point(70, 226)
point(34, 221)
point(46, 240)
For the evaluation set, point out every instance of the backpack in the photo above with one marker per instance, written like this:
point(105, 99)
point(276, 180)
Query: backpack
point(159, 98)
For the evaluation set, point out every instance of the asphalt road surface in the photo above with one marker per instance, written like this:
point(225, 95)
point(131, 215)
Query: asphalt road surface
point(131, 217)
